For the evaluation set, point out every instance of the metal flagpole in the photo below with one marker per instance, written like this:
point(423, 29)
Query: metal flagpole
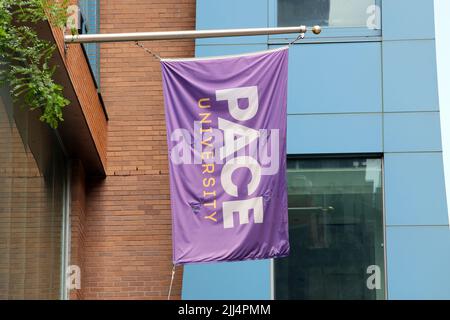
point(192, 34)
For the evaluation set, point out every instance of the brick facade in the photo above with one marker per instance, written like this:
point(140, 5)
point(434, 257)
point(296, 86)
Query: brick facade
point(30, 208)
point(84, 86)
point(124, 229)
point(77, 222)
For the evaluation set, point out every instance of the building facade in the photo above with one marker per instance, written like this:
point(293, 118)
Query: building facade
point(367, 199)
point(91, 199)
point(366, 151)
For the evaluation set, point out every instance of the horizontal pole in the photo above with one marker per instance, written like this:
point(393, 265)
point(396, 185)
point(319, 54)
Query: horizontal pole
point(173, 35)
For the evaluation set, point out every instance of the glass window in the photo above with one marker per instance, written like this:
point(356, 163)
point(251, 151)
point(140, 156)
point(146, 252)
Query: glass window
point(327, 13)
point(90, 23)
point(336, 231)
point(32, 181)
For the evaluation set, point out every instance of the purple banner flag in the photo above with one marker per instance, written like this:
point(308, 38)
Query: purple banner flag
point(226, 134)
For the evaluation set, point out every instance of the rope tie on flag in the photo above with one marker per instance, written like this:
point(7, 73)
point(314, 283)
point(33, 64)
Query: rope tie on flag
point(148, 50)
point(171, 282)
point(301, 36)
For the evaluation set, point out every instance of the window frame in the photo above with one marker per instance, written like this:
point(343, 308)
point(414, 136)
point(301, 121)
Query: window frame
point(383, 206)
point(328, 34)
point(88, 48)
point(66, 229)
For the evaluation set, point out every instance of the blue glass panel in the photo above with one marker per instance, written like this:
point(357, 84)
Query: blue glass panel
point(415, 189)
point(228, 280)
point(345, 133)
point(418, 131)
point(408, 19)
point(90, 12)
point(409, 75)
point(232, 14)
point(418, 262)
point(334, 78)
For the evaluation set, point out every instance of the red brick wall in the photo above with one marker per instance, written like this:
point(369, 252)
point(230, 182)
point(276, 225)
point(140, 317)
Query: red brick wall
point(77, 222)
point(127, 245)
point(84, 86)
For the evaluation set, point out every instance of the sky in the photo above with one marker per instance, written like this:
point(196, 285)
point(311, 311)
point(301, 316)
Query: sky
point(442, 24)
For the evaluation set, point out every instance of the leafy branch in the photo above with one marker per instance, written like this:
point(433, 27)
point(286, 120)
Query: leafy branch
point(25, 58)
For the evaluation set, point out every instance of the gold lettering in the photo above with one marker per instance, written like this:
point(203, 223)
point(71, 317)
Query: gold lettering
point(211, 204)
point(202, 105)
point(208, 168)
point(209, 182)
point(211, 216)
point(206, 194)
point(206, 155)
point(206, 130)
point(205, 117)
point(205, 142)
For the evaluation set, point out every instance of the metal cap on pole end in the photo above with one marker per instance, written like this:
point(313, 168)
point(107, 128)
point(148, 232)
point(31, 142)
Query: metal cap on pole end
point(316, 29)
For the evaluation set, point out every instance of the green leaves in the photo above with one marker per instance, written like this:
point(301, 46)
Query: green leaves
point(24, 58)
